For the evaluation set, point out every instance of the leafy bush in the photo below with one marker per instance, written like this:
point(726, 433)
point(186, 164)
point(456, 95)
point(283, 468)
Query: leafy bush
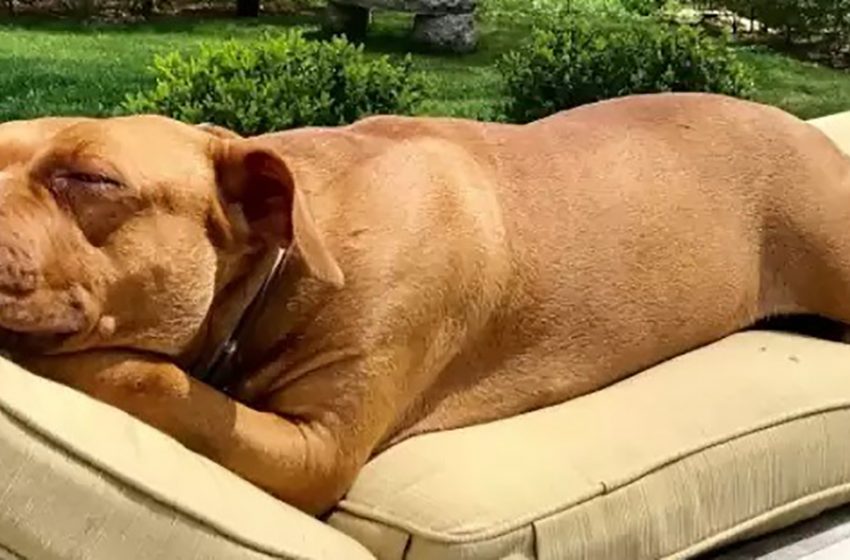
point(278, 83)
point(512, 12)
point(579, 60)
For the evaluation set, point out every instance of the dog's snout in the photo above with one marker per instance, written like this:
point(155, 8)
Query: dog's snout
point(19, 250)
point(18, 268)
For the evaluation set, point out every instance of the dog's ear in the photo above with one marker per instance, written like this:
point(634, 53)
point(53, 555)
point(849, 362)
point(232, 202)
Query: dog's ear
point(259, 181)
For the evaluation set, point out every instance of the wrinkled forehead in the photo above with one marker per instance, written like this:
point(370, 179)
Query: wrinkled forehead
point(36, 129)
point(142, 150)
point(21, 140)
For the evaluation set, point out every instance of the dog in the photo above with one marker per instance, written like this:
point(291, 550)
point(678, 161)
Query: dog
point(291, 304)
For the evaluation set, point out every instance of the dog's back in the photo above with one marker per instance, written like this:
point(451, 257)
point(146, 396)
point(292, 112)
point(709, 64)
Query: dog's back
point(633, 230)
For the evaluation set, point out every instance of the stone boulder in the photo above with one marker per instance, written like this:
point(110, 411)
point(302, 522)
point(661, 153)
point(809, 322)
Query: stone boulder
point(453, 32)
point(442, 24)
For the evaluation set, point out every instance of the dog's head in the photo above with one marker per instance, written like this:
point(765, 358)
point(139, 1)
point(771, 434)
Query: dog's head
point(121, 232)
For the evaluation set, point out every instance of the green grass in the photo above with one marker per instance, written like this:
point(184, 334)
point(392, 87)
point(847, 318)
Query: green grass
point(61, 67)
point(52, 67)
point(802, 88)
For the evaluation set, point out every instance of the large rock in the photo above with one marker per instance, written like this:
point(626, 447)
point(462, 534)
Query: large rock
point(443, 24)
point(427, 7)
point(453, 32)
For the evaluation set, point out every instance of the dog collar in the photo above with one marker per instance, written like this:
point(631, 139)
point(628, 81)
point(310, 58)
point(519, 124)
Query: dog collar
point(220, 371)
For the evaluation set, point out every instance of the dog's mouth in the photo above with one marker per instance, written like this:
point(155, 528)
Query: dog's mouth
point(43, 320)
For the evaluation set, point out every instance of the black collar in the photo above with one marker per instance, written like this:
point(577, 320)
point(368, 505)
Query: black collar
point(220, 371)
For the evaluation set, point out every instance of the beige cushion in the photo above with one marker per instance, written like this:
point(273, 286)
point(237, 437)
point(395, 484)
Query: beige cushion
point(79, 479)
point(836, 127)
point(746, 435)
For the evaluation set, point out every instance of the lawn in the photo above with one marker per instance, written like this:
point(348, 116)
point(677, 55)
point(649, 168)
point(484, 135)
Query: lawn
point(803, 88)
point(61, 67)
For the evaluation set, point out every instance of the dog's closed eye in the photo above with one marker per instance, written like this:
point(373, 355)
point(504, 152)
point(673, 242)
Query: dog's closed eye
point(67, 179)
point(99, 203)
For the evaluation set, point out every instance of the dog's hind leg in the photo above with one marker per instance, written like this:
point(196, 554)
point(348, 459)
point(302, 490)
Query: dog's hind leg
point(806, 252)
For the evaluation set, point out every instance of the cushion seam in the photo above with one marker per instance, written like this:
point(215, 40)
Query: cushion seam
point(408, 544)
point(5, 548)
point(786, 419)
point(371, 513)
point(128, 485)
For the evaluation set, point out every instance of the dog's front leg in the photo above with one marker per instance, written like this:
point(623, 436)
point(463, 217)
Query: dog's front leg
point(291, 458)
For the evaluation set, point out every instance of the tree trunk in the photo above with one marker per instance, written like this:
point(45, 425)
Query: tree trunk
point(247, 8)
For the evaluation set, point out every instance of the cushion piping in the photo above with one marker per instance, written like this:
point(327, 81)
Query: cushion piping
point(375, 514)
point(10, 553)
point(125, 484)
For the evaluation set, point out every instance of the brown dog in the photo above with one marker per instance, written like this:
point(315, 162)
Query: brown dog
point(438, 272)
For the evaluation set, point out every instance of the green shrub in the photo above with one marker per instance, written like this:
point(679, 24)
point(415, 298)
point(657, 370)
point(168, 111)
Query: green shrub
point(513, 12)
point(579, 60)
point(278, 83)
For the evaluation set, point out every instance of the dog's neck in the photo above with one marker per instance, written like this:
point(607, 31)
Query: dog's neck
point(218, 365)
